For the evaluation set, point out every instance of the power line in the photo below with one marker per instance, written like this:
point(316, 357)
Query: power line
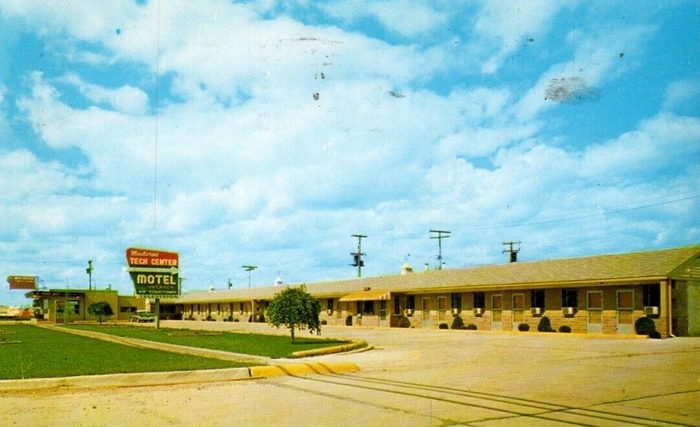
point(583, 216)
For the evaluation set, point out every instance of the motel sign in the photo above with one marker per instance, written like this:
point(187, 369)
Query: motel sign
point(153, 271)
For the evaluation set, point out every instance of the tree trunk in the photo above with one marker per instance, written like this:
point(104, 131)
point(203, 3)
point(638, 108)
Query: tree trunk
point(292, 330)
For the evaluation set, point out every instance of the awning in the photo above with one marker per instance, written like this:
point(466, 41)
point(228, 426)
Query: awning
point(366, 296)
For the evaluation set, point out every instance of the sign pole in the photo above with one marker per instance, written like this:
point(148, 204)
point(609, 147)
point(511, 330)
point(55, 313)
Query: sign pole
point(157, 313)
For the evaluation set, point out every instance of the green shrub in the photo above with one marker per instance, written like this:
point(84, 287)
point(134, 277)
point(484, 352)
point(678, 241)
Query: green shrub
point(403, 322)
point(545, 325)
point(471, 327)
point(443, 326)
point(565, 329)
point(655, 334)
point(523, 327)
point(644, 326)
point(457, 323)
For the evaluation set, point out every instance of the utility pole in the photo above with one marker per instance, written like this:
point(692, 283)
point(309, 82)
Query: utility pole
point(357, 256)
point(441, 234)
point(249, 268)
point(88, 270)
point(513, 251)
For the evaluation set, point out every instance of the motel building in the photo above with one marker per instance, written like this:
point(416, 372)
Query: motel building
point(71, 305)
point(602, 294)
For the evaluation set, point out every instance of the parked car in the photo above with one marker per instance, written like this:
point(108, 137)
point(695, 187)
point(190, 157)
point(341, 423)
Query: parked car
point(142, 316)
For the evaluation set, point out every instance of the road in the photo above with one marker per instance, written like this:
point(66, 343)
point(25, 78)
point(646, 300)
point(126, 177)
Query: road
point(415, 378)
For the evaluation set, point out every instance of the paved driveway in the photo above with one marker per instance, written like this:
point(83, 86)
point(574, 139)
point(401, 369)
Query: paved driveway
point(417, 377)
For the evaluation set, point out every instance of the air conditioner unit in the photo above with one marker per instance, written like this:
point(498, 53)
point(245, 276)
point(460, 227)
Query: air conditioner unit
point(651, 310)
point(536, 311)
point(568, 311)
point(455, 311)
point(409, 312)
point(478, 311)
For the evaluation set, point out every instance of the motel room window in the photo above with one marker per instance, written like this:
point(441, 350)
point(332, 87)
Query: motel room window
point(456, 301)
point(241, 307)
point(365, 307)
point(537, 299)
point(397, 306)
point(569, 298)
point(382, 309)
point(479, 300)
point(651, 295)
point(329, 304)
point(411, 302)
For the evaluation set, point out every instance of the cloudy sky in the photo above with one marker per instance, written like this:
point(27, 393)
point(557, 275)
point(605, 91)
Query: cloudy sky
point(268, 132)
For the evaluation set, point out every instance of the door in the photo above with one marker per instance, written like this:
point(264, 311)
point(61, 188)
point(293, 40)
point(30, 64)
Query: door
point(442, 309)
point(594, 307)
point(518, 310)
point(625, 311)
point(497, 312)
point(425, 306)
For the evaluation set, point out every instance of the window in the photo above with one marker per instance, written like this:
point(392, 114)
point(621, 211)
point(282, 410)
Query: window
point(382, 309)
point(329, 304)
point(652, 295)
point(456, 301)
point(397, 306)
point(537, 299)
point(365, 307)
point(569, 298)
point(241, 307)
point(479, 300)
point(127, 309)
point(411, 302)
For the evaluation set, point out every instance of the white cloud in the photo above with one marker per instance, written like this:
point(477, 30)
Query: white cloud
point(680, 93)
point(596, 62)
point(125, 99)
point(506, 24)
point(409, 18)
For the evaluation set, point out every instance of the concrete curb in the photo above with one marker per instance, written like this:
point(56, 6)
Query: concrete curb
point(177, 377)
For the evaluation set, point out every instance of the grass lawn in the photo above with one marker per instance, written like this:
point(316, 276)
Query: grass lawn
point(257, 344)
point(30, 352)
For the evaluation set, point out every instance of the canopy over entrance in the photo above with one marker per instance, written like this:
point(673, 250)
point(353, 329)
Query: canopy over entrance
point(366, 296)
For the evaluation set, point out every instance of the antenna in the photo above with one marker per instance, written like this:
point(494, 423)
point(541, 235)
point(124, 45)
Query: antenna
point(249, 269)
point(441, 234)
point(513, 251)
point(357, 256)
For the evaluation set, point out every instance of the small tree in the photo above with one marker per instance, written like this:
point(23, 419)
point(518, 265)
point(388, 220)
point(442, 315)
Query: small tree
point(295, 308)
point(100, 309)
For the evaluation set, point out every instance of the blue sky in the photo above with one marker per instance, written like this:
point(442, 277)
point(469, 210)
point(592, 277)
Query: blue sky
point(269, 132)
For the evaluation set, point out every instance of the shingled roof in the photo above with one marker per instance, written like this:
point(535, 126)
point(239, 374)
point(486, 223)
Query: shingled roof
point(592, 270)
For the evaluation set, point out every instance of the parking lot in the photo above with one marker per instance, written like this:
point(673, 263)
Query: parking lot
point(416, 377)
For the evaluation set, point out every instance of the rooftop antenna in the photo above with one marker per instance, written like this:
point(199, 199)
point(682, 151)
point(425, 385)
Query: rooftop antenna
point(357, 256)
point(513, 251)
point(441, 234)
point(249, 269)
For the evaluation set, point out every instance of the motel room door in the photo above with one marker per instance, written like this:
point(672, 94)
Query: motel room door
point(425, 305)
point(497, 312)
point(518, 310)
point(594, 307)
point(625, 311)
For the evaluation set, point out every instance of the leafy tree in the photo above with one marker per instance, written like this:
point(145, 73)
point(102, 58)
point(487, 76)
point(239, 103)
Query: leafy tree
point(295, 308)
point(100, 309)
